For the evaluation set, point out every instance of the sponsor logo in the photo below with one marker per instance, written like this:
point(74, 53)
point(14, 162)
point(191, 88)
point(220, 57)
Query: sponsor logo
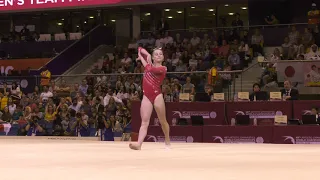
point(6, 70)
point(306, 112)
point(184, 139)
point(238, 139)
point(188, 114)
point(260, 114)
point(301, 139)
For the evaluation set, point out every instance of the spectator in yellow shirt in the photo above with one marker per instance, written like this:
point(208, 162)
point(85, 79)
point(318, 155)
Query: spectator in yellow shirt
point(45, 77)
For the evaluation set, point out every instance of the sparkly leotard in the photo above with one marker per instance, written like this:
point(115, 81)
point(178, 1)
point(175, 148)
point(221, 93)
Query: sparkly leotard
point(152, 80)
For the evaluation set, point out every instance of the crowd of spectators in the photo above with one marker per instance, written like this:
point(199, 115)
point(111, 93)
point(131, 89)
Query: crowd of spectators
point(64, 110)
point(297, 46)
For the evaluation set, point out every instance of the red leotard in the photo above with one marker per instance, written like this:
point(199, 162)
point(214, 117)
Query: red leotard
point(152, 80)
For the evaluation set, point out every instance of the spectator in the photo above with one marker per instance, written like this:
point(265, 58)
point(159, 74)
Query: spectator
point(257, 43)
point(288, 92)
point(314, 54)
point(294, 35)
point(271, 20)
point(234, 60)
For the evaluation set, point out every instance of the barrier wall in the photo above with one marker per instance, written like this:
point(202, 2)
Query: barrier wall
point(217, 116)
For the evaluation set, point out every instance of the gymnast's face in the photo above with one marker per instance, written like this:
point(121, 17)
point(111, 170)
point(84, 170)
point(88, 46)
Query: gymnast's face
point(157, 56)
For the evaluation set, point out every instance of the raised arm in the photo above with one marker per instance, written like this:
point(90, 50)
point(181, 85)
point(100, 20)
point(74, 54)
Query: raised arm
point(144, 52)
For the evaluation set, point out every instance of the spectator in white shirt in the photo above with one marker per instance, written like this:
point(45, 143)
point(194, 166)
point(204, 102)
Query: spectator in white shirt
point(313, 54)
point(150, 41)
point(46, 94)
point(159, 41)
point(173, 60)
point(126, 60)
point(167, 39)
point(195, 40)
point(108, 96)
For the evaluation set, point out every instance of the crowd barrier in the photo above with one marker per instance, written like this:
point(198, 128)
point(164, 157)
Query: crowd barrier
point(217, 117)
point(237, 134)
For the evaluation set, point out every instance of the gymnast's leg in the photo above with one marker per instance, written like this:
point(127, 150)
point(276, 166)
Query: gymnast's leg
point(145, 112)
point(160, 108)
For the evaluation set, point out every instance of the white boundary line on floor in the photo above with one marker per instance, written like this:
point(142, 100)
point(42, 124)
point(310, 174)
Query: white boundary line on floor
point(55, 138)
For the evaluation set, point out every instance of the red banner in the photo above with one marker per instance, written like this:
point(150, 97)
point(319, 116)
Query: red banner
point(303, 108)
point(212, 113)
point(238, 134)
point(185, 134)
point(263, 111)
point(296, 135)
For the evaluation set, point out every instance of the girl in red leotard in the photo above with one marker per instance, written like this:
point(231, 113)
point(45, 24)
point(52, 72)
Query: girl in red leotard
point(154, 74)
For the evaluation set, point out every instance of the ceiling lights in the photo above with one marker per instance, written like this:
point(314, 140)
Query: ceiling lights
point(244, 8)
point(231, 14)
point(113, 20)
point(211, 10)
point(170, 17)
point(192, 7)
point(167, 10)
point(147, 14)
point(179, 12)
point(226, 5)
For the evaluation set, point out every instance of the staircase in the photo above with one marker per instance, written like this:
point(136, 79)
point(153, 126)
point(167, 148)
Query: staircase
point(249, 76)
point(83, 66)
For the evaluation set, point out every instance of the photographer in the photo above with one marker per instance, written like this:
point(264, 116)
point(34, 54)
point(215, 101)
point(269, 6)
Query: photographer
point(108, 129)
point(35, 127)
point(100, 118)
point(81, 125)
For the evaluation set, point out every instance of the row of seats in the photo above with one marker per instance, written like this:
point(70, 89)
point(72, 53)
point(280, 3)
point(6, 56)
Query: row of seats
point(60, 37)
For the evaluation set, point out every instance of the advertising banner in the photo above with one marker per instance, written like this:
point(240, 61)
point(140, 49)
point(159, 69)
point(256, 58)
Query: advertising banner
point(178, 134)
point(21, 64)
point(296, 135)
point(263, 111)
point(311, 72)
point(212, 113)
point(238, 134)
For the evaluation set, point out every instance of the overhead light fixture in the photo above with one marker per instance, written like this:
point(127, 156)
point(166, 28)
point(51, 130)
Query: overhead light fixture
point(147, 14)
point(85, 22)
point(113, 20)
point(59, 24)
point(244, 8)
point(62, 19)
point(231, 14)
point(170, 17)
point(167, 10)
point(214, 14)
point(91, 17)
point(78, 26)
point(105, 24)
point(226, 5)
point(192, 7)
point(179, 12)
point(211, 10)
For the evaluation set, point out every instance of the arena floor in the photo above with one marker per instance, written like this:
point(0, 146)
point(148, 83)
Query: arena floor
point(94, 160)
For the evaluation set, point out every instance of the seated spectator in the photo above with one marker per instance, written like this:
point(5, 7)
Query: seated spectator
point(254, 96)
point(307, 37)
point(271, 20)
point(314, 54)
point(234, 60)
point(188, 87)
point(195, 40)
point(294, 35)
point(224, 49)
point(288, 92)
point(167, 40)
point(285, 48)
point(46, 94)
point(133, 45)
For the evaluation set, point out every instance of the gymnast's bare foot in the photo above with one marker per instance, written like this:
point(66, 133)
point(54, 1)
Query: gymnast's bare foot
point(135, 146)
